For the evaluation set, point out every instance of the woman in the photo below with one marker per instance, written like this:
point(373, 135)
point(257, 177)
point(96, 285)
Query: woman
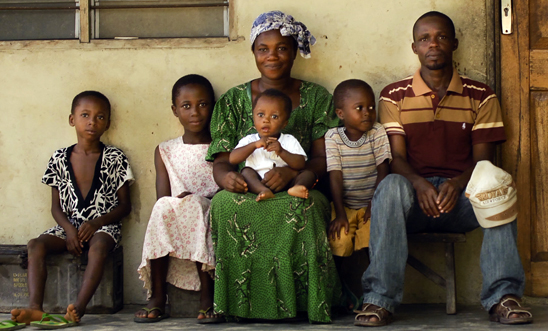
point(273, 257)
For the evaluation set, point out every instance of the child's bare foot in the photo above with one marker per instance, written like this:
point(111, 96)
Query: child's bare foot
point(73, 314)
point(266, 194)
point(299, 191)
point(26, 315)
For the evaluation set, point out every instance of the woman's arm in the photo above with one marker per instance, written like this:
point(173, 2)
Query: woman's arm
point(225, 175)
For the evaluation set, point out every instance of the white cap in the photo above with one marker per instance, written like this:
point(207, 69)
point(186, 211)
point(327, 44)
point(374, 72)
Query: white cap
point(493, 195)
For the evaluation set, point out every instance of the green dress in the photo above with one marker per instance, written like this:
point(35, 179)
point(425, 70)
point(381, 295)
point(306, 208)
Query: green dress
point(273, 257)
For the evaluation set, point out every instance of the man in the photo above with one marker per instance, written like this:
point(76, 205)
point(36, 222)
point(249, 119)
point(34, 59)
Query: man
point(440, 125)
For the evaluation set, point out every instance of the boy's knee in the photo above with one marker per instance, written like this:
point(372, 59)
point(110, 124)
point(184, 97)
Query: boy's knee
point(101, 247)
point(36, 247)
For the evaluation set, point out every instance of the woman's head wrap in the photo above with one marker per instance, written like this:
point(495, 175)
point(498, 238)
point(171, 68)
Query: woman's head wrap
point(276, 20)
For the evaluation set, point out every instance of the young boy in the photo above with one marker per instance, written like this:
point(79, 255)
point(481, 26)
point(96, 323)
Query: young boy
point(357, 160)
point(90, 196)
point(269, 147)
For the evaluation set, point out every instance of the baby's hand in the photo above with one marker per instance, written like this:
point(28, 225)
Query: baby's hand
point(261, 143)
point(273, 145)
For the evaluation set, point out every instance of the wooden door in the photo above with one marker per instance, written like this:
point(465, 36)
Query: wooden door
point(524, 99)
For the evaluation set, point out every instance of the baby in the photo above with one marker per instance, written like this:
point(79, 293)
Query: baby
point(269, 147)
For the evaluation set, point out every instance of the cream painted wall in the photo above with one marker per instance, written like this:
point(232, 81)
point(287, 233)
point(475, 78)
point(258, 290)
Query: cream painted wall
point(356, 39)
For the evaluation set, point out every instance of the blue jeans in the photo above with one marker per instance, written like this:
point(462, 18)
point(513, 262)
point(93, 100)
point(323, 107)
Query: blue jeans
point(396, 212)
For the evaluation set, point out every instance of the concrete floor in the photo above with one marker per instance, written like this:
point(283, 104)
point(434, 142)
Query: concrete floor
point(409, 317)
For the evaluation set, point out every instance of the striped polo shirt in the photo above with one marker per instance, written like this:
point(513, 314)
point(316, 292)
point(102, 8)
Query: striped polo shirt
point(440, 134)
point(358, 161)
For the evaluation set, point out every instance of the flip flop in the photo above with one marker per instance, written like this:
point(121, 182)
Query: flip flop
point(210, 320)
point(9, 325)
point(349, 296)
point(163, 315)
point(55, 322)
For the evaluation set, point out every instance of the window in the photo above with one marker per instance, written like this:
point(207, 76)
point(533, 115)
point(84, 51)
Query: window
point(108, 19)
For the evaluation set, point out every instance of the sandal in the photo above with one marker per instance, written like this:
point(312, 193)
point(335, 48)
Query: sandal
point(209, 320)
point(163, 315)
point(369, 310)
point(501, 311)
point(9, 325)
point(52, 322)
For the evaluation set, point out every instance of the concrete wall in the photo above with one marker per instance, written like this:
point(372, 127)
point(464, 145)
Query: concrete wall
point(370, 40)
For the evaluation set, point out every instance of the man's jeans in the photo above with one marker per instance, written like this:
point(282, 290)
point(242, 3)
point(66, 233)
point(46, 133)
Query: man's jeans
point(396, 212)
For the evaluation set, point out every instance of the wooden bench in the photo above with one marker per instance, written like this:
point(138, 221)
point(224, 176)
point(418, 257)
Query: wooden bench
point(448, 282)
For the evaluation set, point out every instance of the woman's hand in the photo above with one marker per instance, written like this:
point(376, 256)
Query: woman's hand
point(234, 182)
point(226, 177)
point(277, 178)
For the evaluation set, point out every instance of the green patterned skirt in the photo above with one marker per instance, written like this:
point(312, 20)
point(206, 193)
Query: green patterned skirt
point(273, 257)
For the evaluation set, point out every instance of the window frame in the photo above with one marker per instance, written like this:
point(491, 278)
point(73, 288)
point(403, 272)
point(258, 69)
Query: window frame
point(84, 40)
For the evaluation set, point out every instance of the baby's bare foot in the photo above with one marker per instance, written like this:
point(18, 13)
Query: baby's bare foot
point(299, 191)
point(73, 314)
point(266, 194)
point(26, 315)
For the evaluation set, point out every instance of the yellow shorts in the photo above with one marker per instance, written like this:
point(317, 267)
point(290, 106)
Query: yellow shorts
point(358, 233)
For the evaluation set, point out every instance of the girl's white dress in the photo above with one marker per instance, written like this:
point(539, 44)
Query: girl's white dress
point(180, 227)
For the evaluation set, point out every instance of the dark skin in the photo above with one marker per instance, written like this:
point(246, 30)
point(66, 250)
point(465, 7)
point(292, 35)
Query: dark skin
point(274, 57)
point(91, 119)
point(434, 44)
point(358, 115)
point(193, 107)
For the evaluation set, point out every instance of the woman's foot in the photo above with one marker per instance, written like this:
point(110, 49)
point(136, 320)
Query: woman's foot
point(73, 314)
point(299, 191)
point(26, 315)
point(152, 313)
point(266, 194)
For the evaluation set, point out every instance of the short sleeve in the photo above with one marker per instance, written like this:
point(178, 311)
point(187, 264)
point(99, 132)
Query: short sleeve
point(245, 141)
point(225, 123)
point(291, 144)
point(381, 145)
point(389, 115)
point(52, 177)
point(125, 174)
point(323, 113)
point(332, 153)
point(488, 126)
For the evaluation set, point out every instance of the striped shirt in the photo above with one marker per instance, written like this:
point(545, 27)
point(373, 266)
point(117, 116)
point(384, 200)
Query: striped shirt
point(358, 161)
point(440, 134)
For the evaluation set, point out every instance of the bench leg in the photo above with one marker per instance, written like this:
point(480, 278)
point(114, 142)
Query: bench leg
point(450, 283)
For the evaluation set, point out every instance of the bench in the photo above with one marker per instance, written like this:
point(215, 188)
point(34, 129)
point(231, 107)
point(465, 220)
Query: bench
point(448, 282)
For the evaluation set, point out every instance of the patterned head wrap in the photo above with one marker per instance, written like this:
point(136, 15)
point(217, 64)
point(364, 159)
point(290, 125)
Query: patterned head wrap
point(276, 20)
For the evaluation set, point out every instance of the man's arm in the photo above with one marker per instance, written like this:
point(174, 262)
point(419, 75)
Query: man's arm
point(426, 192)
point(451, 189)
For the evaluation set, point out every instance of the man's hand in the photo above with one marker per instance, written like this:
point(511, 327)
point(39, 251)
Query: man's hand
point(427, 196)
point(449, 194)
point(336, 226)
point(234, 182)
point(87, 230)
point(74, 245)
